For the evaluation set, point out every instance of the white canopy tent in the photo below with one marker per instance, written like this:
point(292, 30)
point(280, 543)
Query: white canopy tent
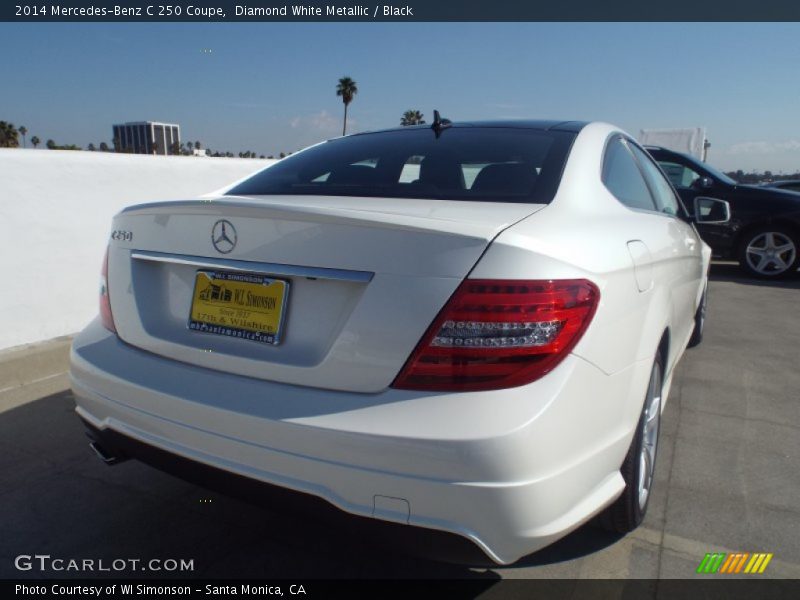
point(690, 140)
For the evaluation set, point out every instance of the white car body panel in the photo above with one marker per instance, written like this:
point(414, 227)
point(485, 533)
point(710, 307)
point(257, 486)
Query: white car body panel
point(511, 469)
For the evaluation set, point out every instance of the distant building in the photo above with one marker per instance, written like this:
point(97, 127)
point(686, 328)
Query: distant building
point(147, 137)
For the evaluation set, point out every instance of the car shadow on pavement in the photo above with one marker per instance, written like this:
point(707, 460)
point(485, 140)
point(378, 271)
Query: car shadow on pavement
point(584, 541)
point(731, 272)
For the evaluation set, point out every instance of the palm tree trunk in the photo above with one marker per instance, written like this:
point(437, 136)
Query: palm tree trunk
point(344, 127)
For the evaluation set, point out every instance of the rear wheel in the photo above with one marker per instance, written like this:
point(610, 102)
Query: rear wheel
point(638, 470)
point(769, 252)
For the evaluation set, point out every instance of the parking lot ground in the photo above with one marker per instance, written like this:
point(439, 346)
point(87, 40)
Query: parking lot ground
point(728, 476)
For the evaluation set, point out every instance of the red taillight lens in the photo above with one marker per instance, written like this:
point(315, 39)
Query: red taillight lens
point(496, 334)
point(105, 304)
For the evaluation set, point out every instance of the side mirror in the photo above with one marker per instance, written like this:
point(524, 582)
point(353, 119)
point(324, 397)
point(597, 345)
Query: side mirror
point(711, 210)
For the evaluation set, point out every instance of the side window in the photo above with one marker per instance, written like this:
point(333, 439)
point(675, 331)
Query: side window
point(666, 201)
point(622, 177)
point(679, 175)
point(410, 171)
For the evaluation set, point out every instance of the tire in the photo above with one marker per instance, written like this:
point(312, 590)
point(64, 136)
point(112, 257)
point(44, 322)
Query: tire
point(770, 252)
point(699, 321)
point(628, 511)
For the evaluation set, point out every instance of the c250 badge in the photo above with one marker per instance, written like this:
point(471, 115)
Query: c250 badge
point(121, 235)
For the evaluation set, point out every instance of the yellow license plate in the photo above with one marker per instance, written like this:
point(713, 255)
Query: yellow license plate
point(242, 305)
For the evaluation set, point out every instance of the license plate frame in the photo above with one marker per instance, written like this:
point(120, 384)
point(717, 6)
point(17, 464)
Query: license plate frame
point(243, 320)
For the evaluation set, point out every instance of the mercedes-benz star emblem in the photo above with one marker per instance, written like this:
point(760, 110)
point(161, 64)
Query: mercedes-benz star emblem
point(223, 236)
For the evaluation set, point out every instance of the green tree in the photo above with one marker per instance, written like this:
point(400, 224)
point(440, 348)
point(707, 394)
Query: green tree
point(51, 145)
point(103, 147)
point(23, 131)
point(91, 148)
point(412, 117)
point(197, 145)
point(346, 89)
point(35, 141)
point(8, 135)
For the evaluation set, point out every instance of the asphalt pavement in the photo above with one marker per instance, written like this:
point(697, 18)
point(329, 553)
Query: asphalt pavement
point(727, 479)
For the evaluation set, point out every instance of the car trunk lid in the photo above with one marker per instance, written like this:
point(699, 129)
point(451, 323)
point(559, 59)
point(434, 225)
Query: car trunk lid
point(364, 278)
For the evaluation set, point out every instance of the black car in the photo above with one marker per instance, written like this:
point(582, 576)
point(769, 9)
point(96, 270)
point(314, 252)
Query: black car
point(762, 231)
point(791, 185)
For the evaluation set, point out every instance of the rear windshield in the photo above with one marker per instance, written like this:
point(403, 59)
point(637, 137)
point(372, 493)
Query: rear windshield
point(488, 164)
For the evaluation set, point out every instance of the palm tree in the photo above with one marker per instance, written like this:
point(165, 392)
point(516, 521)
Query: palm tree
point(346, 88)
point(35, 141)
point(197, 145)
point(23, 131)
point(412, 117)
point(8, 135)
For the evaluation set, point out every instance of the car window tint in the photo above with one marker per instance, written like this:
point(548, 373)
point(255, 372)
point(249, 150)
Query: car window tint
point(489, 164)
point(622, 177)
point(680, 176)
point(665, 198)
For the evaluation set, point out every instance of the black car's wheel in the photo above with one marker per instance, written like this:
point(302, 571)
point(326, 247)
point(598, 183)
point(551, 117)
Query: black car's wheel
point(628, 511)
point(699, 321)
point(770, 252)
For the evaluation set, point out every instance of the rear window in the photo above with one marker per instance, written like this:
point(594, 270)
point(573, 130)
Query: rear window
point(489, 164)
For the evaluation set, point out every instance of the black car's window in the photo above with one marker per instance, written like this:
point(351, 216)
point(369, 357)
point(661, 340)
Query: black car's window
point(666, 200)
point(622, 177)
point(680, 176)
point(492, 164)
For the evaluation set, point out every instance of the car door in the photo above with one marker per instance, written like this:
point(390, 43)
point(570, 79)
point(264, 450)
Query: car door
point(688, 267)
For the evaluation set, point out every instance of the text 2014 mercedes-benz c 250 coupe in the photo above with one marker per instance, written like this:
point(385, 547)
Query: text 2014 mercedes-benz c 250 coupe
point(469, 328)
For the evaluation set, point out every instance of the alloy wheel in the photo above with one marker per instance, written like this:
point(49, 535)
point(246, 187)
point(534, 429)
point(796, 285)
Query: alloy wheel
point(650, 428)
point(770, 253)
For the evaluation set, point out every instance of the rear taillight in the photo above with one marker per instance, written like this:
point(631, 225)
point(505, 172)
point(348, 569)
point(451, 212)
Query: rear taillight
point(105, 303)
point(496, 334)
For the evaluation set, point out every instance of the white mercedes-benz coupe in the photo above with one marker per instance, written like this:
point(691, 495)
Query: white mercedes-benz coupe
point(470, 328)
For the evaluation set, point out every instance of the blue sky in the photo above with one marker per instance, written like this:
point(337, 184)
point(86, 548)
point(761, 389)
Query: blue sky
point(269, 87)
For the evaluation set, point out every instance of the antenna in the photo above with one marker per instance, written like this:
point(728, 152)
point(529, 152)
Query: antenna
point(439, 124)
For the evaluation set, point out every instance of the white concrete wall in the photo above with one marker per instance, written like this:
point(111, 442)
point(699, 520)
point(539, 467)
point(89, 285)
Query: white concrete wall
point(55, 218)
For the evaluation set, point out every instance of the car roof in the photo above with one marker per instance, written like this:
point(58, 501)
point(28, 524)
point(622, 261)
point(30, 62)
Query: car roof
point(668, 151)
point(541, 125)
point(649, 147)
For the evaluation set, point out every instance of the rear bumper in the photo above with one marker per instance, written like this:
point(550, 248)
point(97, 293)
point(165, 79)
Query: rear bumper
point(511, 470)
